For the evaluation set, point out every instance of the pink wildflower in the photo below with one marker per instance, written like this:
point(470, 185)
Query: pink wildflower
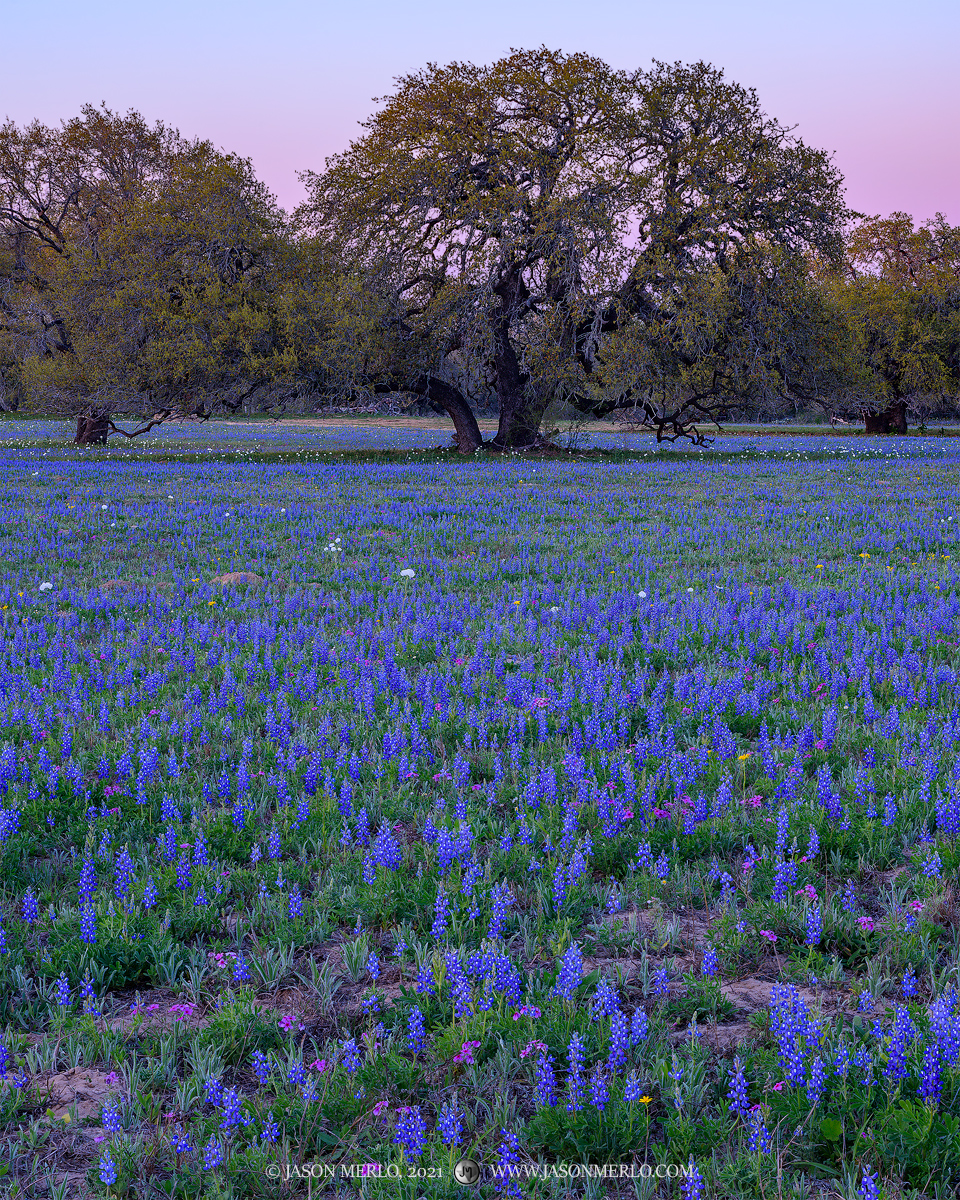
point(768, 934)
point(466, 1054)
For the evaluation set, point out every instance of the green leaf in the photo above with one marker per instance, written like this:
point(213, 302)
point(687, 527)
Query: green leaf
point(831, 1128)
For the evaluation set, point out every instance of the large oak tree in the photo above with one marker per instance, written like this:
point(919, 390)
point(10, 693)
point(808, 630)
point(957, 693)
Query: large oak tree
point(898, 291)
point(142, 273)
point(550, 228)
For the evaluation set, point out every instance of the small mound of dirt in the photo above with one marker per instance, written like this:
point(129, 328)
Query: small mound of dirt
point(85, 1087)
point(237, 577)
point(755, 993)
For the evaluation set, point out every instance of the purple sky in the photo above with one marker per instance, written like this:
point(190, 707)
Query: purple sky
point(287, 83)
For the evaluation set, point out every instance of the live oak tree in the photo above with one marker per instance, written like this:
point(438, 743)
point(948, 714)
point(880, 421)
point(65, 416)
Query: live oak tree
point(141, 273)
point(59, 188)
point(898, 291)
point(549, 228)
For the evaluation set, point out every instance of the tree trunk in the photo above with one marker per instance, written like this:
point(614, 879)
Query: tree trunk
point(92, 430)
point(468, 435)
point(892, 419)
point(519, 426)
point(520, 413)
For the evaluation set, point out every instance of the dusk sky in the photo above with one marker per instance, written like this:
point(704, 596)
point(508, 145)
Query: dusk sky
point(286, 83)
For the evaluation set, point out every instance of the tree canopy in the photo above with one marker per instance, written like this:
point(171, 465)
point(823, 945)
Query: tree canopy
point(550, 228)
point(138, 271)
point(897, 292)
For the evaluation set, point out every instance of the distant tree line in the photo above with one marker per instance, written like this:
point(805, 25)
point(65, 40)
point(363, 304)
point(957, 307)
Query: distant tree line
point(648, 245)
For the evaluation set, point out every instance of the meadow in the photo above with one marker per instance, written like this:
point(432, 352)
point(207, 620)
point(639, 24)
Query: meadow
point(567, 817)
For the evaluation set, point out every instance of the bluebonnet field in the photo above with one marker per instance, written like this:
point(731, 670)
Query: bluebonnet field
point(541, 813)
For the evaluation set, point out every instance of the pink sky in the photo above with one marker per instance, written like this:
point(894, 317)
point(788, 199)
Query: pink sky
point(287, 84)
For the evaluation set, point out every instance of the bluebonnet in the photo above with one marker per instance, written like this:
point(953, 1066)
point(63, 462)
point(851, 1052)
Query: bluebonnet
point(123, 873)
point(693, 1184)
point(411, 1131)
point(231, 1109)
point(88, 997)
point(508, 1155)
point(784, 878)
point(599, 1088)
point(261, 1067)
point(932, 866)
point(111, 1119)
point(759, 1141)
point(180, 1142)
point(212, 1154)
point(676, 1075)
point(737, 1099)
point(63, 991)
point(604, 1002)
point(863, 1061)
point(108, 1168)
point(868, 1189)
point(184, 871)
point(351, 1056)
point(576, 1054)
point(619, 1040)
point(571, 972)
point(841, 1062)
point(441, 917)
point(815, 1082)
point(545, 1081)
point(450, 1124)
point(902, 1036)
point(930, 1084)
